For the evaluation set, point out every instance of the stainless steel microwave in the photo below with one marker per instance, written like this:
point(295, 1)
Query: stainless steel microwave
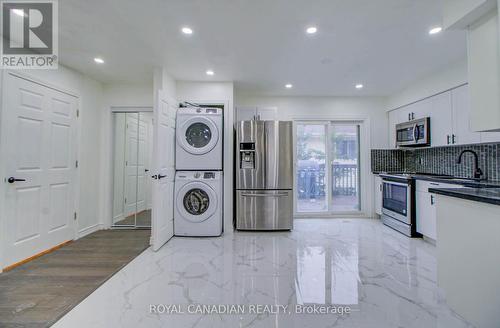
point(416, 133)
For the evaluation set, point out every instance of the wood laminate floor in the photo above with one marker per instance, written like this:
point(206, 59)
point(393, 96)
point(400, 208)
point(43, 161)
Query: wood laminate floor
point(143, 220)
point(39, 292)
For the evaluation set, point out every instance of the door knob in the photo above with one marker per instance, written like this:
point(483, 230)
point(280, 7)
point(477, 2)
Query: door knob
point(12, 180)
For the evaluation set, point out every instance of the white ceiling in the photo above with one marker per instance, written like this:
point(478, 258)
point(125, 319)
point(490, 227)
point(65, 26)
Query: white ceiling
point(261, 44)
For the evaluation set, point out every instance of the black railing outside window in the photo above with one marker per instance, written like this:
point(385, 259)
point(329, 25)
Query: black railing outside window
point(311, 182)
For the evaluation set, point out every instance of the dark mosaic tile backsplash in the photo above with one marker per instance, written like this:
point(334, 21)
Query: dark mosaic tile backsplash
point(439, 160)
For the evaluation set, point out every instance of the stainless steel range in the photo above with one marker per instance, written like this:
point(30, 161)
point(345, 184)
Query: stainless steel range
point(398, 203)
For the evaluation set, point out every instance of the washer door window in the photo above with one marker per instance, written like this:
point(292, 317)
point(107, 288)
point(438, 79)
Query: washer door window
point(198, 135)
point(196, 202)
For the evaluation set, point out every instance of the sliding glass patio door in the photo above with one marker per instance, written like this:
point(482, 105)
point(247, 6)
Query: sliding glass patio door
point(327, 167)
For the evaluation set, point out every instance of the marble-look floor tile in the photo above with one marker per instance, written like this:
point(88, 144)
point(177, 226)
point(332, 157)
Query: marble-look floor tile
point(386, 279)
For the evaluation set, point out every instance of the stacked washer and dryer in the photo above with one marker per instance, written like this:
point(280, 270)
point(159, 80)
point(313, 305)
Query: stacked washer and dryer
point(199, 180)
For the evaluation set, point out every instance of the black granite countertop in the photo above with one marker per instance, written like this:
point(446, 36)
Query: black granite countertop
point(458, 181)
point(484, 195)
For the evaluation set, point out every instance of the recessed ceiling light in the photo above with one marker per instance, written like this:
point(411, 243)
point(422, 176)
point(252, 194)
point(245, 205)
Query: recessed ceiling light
point(187, 30)
point(99, 60)
point(435, 30)
point(288, 86)
point(18, 12)
point(210, 72)
point(311, 30)
point(359, 86)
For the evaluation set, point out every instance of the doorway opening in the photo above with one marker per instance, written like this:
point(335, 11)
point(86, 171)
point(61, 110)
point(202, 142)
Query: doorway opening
point(328, 167)
point(132, 160)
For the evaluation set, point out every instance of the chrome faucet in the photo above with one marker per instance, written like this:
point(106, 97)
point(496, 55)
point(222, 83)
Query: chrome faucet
point(478, 173)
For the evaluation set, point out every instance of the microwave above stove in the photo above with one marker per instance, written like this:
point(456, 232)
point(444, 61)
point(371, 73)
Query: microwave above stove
point(416, 133)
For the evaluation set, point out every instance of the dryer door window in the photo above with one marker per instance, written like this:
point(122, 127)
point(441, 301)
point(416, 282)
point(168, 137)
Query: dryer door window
point(198, 135)
point(196, 201)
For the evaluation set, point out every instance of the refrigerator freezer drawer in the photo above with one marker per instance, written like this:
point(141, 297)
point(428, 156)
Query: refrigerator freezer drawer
point(264, 209)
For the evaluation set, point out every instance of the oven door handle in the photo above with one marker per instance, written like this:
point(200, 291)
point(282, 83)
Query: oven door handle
point(396, 183)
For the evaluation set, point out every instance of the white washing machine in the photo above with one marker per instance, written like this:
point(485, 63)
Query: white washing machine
point(199, 134)
point(198, 203)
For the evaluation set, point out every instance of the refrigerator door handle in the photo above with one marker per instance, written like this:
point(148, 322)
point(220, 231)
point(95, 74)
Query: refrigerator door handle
point(265, 195)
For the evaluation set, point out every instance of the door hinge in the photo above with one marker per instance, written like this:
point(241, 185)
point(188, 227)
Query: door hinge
point(75, 216)
point(76, 164)
point(77, 113)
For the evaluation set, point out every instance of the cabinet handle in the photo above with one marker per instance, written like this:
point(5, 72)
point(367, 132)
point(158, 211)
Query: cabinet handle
point(453, 137)
point(448, 139)
point(409, 117)
point(380, 187)
point(432, 199)
point(412, 116)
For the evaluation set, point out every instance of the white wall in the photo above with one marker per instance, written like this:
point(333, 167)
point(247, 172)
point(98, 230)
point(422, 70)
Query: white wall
point(129, 94)
point(217, 92)
point(89, 92)
point(448, 78)
point(90, 161)
point(290, 108)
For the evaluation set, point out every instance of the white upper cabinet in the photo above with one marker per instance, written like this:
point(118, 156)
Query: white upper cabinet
point(256, 113)
point(450, 113)
point(484, 73)
point(480, 19)
point(458, 14)
point(462, 131)
point(245, 113)
point(267, 113)
point(441, 119)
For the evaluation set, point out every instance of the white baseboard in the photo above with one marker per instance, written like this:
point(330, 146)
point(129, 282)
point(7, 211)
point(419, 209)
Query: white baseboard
point(86, 231)
point(119, 217)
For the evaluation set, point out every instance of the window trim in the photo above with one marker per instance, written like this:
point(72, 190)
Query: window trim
point(366, 183)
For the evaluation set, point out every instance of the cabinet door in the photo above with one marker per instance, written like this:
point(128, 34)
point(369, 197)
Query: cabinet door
point(490, 136)
point(441, 119)
point(378, 195)
point(462, 131)
point(484, 80)
point(421, 109)
point(393, 120)
point(245, 113)
point(267, 114)
point(426, 214)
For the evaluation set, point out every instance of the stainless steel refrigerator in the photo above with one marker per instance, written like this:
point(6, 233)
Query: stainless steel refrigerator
point(264, 175)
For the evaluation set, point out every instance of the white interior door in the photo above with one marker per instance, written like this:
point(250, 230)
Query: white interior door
point(131, 163)
point(142, 159)
point(163, 184)
point(39, 148)
point(149, 189)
